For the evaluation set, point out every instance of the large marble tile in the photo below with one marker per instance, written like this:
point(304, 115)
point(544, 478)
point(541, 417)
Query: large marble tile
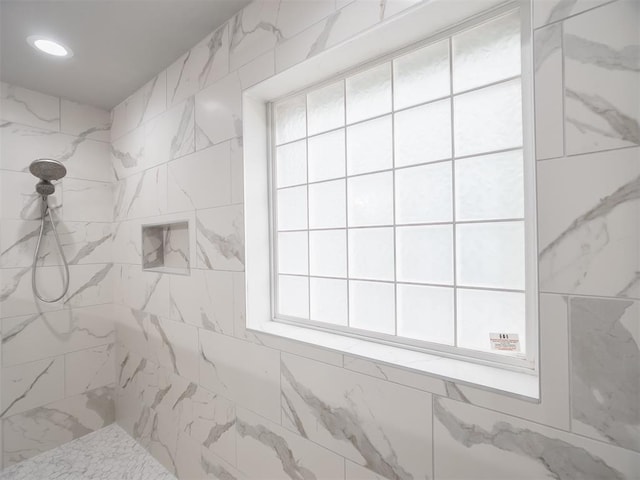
point(549, 92)
point(267, 450)
point(204, 299)
point(353, 471)
point(605, 370)
point(358, 417)
point(16, 294)
point(126, 245)
point(149, 101)
point(40, 336)
point(237, 171)
point(18, 198)
point(82, 242)
point(174, 345)
point(245, 373)
point(602, 74)
point(206, 418)
point(28, 107)
point(127, 153)
point(220, 238)
point(31, 385)
point(589, 238)
point(253, 32)
point(472, 442)
point(83, 157)
point(141, 195)
point(548, 11)
point(200, 180)
point(88, 285)
point(106, 454)
point(219, 112)
point(170, 135)
point(199, 67)
point(89, 369)
point(40, 429)
point(144, 291)
point(84, 120)
point(87, 201)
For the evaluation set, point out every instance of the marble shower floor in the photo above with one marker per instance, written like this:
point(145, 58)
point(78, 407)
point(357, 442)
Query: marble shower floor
point(107, 454)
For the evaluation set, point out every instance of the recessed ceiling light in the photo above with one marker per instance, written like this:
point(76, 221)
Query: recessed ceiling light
point(48, 46)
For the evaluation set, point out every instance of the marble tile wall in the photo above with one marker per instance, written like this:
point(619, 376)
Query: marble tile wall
point(210, 399)
point(58, 360)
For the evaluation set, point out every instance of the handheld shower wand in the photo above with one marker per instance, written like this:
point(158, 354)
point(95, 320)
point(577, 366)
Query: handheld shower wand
point(47, 170)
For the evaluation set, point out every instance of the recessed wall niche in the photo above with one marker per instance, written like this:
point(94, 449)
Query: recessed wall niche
point(165, 247)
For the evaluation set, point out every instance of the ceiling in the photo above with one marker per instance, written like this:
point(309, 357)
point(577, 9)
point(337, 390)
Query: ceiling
point(118, 45)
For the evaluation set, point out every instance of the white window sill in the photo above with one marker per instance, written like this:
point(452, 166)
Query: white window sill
point(518, 384)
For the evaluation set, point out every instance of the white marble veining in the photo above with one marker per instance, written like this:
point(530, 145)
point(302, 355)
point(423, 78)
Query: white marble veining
point(220, 238)
point(602, 47)
point(39, 336)
point(149, 101)
point(84, 120)
point(24, 106)
point(199, 67)
point(471, 442)
point(40, 429)
point(605, 358)
point(353, 415)
point(218, 112)
point(106, 454)
point(590, 244)
point(84, 157)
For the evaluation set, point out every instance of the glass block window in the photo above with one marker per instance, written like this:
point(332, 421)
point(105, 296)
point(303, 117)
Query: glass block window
point(398, 190)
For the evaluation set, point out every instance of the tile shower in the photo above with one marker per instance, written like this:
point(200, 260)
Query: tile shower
point(167, 357)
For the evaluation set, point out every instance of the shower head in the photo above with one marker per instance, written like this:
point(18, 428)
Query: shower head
point(47, 169)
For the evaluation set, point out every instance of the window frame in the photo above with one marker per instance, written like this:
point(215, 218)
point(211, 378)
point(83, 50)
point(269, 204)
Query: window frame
point(420, 24)
point(530, 290)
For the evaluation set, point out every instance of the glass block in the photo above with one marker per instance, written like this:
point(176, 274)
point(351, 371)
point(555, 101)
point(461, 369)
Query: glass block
point(491, 255)
point(370, 146)
point(326, 156)
point(424, 194)
point(293, 296)
point(326, 108)
point(482, 312)
point(372, 306)
point(488, 53)
point(369, 93)
point(329, 301)
point(490, 187)
point(425, 254)
point(293, 253)
point(370, 200)
point(291, 164)
point(426, 313)
point(371, 253)
point(327, 207)
point(422, 75)
point(291, 120)
point(292, 208)
point(328, 253)
point(423, 134)
point(488, 120)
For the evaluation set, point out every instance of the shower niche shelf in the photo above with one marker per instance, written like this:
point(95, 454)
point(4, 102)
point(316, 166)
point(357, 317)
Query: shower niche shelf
point(166, 248)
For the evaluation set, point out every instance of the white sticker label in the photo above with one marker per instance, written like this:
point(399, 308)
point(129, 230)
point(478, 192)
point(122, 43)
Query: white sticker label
point(505, 342)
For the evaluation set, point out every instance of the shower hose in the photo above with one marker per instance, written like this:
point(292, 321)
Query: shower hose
point(46, 210)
